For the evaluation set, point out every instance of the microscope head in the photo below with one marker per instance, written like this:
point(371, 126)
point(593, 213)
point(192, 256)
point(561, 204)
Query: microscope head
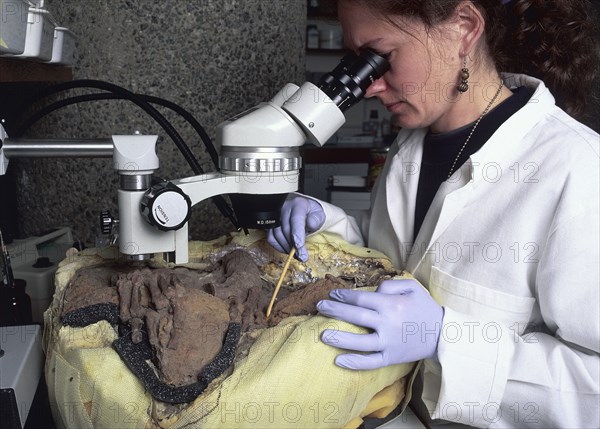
point(265, 140)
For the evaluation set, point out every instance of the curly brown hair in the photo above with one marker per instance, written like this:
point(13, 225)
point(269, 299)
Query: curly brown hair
point(553, 40)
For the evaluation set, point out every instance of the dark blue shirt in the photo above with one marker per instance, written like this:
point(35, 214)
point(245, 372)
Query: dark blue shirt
point(440, 150)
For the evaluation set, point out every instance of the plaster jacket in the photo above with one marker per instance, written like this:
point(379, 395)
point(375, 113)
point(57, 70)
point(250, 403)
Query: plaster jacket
point(510, 249)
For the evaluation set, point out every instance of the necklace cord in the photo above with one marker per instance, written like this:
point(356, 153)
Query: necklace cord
point(474, 127)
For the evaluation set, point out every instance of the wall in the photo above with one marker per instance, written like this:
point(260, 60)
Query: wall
point(216, 58)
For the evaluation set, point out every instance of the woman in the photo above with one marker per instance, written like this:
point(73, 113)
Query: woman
point(489, 197)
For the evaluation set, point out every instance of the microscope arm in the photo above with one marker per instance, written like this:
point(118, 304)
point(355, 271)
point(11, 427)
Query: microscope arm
point(140, 238)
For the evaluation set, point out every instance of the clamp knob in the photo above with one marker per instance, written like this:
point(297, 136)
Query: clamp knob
point(166, 206)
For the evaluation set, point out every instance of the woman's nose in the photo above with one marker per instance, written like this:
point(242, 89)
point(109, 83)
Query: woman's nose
point(375, 88)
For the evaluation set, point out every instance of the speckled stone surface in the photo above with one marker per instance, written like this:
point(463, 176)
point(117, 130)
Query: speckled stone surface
point(215, 58)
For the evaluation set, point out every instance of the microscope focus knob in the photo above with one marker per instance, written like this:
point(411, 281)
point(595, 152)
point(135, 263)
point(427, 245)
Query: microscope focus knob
point(106, 222)
point(166, 206)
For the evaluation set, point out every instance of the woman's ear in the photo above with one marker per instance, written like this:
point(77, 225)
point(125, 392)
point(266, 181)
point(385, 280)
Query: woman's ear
point(471, 25)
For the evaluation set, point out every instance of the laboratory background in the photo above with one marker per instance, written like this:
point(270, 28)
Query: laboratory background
point(213, 58)
point(216, 59)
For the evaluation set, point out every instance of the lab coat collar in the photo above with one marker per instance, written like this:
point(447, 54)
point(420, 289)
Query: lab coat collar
point(402, 182)
point(447, 203)
point(497, 154)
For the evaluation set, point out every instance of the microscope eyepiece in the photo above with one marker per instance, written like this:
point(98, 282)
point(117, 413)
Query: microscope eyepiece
point(347, 83)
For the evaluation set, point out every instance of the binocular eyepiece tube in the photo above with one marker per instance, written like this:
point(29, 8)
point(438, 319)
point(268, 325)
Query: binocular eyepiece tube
point(347, 83)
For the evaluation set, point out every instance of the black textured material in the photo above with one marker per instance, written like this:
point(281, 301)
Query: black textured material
point(143, 348)
point(135, 356)
point(84, 316)
point(224, 358)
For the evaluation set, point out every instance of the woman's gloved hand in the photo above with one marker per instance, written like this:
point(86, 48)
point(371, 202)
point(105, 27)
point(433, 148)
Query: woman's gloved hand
point(405, 320)
point(299, 216)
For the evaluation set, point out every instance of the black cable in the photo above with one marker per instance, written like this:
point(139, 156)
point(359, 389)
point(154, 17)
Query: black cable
point(155, 114)
point(208, 144)
point(111, 96)
point(140, 102)
point(29, 122)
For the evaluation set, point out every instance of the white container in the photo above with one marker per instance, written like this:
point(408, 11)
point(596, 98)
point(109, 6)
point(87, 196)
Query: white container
point(331, 38)
point(39, 40)
point(13, 26)
point(312, 37)
point(21, 368)
point(63, 51)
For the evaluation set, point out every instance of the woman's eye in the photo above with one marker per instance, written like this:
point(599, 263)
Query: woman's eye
point(375, 51)
point(385, 55)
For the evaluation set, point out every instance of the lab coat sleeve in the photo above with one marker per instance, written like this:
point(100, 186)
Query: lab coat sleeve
point(494, 376)
point(338, 222)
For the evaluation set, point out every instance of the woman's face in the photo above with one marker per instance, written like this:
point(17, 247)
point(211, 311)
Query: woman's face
point(420, 87)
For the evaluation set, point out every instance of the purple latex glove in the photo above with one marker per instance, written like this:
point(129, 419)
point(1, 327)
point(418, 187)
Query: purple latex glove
point(299, 216)
point(405, 320)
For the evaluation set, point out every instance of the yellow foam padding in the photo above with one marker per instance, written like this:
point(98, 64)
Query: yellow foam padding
point(289, 380)
point(324, 246)
point(92, 387)
point(382, 404)
point(288, 377)
point(328, 254)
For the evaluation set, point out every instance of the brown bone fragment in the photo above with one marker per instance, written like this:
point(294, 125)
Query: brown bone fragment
point(124, 287)
point(158, 299)
point(178, 313)
point(139, 296)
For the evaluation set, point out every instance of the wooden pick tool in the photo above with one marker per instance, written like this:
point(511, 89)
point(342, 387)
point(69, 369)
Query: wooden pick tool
point(283, 273)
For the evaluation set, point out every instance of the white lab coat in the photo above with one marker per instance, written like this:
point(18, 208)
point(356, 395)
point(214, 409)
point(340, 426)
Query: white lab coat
point(510, 248)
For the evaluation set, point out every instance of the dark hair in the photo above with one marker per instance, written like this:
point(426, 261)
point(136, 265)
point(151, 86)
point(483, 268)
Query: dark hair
point(553, 40)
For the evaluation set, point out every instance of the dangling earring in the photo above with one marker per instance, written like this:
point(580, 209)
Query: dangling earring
point(463, 86)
